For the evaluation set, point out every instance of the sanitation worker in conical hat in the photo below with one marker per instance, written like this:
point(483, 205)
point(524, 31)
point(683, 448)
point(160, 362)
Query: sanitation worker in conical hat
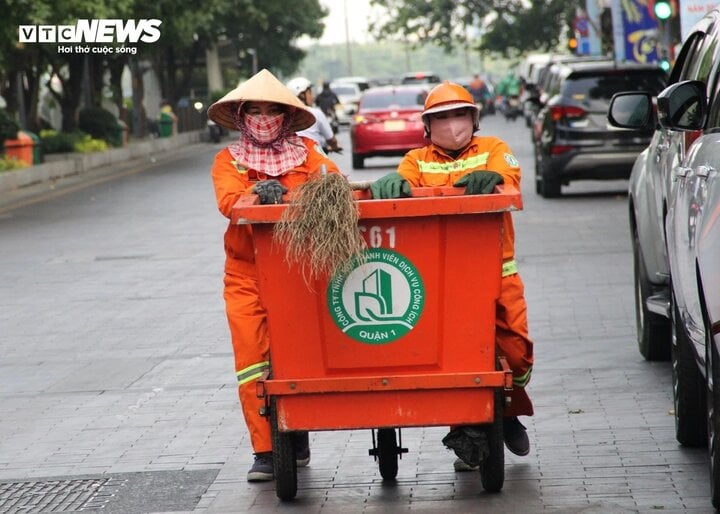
point(459, 157)
point(267, 160)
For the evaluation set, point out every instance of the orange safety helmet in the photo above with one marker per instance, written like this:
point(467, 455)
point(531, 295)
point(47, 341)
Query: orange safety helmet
point(446, 97)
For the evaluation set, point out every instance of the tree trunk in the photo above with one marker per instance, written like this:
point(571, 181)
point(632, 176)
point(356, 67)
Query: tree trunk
point(138, 94)
point(69, 97)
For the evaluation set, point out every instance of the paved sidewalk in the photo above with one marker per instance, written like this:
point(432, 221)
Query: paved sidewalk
point(117, 391)
point(60, 171)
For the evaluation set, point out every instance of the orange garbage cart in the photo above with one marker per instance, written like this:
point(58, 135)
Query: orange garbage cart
point(405, 338)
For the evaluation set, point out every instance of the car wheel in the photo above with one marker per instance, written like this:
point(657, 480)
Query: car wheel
point(545, 185)
point(538, 173)
point(653, 330)
point(550, 186)
point(713, 418)
point(688, 389)
point(358, 161)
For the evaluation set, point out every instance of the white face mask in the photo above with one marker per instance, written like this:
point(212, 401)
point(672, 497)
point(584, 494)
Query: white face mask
point(452, 133)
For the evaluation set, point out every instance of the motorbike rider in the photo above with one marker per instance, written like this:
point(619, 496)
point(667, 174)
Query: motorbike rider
point(510, 89)
point(327, 100)
point(321, 131)
point(458, 157)
point(268, 159)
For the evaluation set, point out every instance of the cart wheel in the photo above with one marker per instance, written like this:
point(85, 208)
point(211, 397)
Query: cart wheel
point(492, 468)
point(387, 453)
point(284, 464)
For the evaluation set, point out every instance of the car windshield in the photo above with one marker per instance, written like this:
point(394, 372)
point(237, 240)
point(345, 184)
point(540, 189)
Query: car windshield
point(602, 86)
point(421, 79)
point(394, 99)
point(344, 90)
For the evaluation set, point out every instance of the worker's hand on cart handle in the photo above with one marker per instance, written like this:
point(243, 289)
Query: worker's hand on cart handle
point(392, 185)
point(269, 191)
point(479, 182)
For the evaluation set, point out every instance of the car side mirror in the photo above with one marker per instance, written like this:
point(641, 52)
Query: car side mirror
point(631, 110)
point(683, 106)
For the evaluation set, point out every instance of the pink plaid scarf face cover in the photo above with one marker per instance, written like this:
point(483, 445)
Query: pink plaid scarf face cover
point(266, 144)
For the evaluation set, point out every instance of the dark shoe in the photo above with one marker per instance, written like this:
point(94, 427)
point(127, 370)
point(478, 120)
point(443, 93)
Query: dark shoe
point(301, 443)
point(461, 465)
point(469, 443)
point(262, 468)
point(516, 438)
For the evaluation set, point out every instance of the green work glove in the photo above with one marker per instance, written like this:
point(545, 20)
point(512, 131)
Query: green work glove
point(269, 191)
point(392, 185)
point(479, 182)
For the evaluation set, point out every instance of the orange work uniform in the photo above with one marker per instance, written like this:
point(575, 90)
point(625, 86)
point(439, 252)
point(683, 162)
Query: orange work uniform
point(432, 166)
point(245, 312)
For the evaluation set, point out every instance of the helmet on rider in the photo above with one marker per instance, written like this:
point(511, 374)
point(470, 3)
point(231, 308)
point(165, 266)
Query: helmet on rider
point(299, 85)
point(449, 96)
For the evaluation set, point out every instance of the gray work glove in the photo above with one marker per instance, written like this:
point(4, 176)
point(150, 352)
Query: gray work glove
point(479, 182)
point(269, 191)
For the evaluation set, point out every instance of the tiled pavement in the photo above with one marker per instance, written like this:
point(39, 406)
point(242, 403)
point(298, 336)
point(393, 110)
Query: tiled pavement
point(115, 363)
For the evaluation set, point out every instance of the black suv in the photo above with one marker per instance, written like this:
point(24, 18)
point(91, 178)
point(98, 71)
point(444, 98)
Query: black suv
point(573, 140)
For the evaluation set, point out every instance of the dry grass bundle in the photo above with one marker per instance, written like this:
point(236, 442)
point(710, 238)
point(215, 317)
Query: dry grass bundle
point(319, 229)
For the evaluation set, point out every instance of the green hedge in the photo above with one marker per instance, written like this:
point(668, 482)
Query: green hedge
point(100, 124)
point(61, 142)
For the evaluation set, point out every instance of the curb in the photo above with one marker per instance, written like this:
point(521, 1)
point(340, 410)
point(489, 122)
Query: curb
point(76, 163)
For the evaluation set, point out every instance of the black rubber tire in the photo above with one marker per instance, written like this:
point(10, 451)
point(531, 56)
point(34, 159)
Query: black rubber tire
point(358, 161)
point(654, 332)
point(688, 390)
point(284, 464)
point(492, 468)
point(538, 174)
point(545, 185)
point(713, 420)
point(551, 187)
point(388, 452)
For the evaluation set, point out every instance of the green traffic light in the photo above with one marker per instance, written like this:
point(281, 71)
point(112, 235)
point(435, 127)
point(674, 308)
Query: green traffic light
point(665, 65)
point(663, 10)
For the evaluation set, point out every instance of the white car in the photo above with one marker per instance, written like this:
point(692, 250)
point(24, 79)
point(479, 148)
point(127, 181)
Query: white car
point(349, 95)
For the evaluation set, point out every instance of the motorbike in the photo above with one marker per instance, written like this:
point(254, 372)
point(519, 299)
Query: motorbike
point(332, 118)
point(215, 131)
point(511, 107)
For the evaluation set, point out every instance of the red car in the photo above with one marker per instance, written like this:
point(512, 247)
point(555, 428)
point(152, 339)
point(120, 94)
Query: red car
point(388, 122)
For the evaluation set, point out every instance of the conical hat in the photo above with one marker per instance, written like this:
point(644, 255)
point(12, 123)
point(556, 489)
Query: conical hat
point(261, 87)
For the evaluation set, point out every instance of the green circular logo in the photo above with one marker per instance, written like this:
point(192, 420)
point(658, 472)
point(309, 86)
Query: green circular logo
point(379, 300)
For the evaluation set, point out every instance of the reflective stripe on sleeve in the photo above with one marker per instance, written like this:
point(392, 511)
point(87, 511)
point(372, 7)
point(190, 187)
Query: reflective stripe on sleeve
point(522, 380)
point(509, 268)
point(252, 372)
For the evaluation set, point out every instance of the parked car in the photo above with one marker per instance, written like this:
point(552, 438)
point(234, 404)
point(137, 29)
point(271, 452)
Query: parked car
point(362, 82)
point(349, 94)
point(573, 140)
point(543, 82)
point(420, 77)
point(693, 241)
point(674, 218)
point(650, 186)
point(388, 123)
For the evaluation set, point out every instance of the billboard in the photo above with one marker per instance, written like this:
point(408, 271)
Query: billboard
point(635, 32)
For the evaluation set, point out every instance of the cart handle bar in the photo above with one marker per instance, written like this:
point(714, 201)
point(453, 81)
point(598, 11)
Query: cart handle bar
point(277, 387)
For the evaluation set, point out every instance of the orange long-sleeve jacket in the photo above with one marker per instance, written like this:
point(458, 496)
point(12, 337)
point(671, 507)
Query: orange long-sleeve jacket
point(232, 180)
point(432, 166)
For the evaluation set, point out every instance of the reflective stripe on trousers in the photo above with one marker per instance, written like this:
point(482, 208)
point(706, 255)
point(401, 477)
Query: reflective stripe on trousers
point(252, 372)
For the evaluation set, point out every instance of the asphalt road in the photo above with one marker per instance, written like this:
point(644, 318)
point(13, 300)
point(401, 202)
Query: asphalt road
point(117, 391)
